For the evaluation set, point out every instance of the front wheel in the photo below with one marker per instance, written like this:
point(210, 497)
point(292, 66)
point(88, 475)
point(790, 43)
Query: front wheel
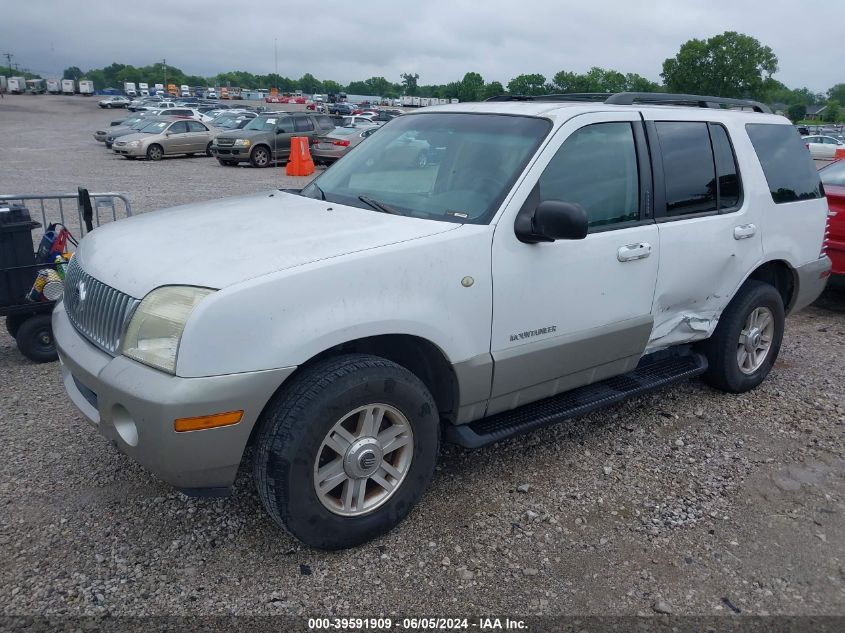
point(746, 342)
point(346, 450)
point(260, 157)
point(208, 150)
point(155, 152)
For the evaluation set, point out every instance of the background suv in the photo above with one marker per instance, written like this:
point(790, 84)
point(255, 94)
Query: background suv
point(267, 137)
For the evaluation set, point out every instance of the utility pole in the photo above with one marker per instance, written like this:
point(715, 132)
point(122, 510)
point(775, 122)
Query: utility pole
point(8, 57)
point(164, 62)
point(276, 52)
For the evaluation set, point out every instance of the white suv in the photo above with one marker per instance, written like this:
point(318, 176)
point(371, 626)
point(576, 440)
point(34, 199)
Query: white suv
point(546, 258)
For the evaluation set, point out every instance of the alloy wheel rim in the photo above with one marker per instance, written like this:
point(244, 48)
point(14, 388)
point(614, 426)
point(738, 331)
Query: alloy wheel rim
point(363, 460)
point(755, 340)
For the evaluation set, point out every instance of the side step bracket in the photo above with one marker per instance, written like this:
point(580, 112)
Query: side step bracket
point(650, 374)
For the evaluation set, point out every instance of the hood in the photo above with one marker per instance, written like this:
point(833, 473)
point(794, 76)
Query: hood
point(241, 133)
point(122, 131)
point(127, 138)
point(223, 242)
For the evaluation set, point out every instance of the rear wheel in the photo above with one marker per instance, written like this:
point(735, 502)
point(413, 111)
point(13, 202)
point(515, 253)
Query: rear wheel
point(346, 450)
point(155, 152)
point(260, 157)
point(35, 339)
point(746, 342)
point(208, 150)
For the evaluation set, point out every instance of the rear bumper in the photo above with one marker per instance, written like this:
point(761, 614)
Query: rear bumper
point(135, 406)
point(811, 279)
point(836, 252)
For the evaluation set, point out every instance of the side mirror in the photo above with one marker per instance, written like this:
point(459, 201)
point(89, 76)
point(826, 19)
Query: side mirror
point(552, 220)
point(280, 131)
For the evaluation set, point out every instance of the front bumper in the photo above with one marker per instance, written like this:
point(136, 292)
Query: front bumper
point(810, 282)
point(239, 154)
point(135, 406)
point(125, 150)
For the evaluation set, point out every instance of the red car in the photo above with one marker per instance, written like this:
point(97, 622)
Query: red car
point(833, 178)
point(272, 99)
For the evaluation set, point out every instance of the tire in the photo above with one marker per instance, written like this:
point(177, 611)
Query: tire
point(208, 150)
point(155, 152)
point(35, 339)
point(13, 323)
point(260, 157)
point(731, 367)
point(292, 442)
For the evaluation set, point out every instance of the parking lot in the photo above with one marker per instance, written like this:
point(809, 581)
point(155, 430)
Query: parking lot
point(687, 500)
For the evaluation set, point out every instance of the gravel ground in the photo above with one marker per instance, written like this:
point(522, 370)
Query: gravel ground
point(687, 500)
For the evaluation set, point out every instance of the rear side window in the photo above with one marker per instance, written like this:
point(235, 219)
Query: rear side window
point(786, 162)
point(834, 174)
point(325, 123)
point(726, 169)
point(303, 124)
point(688, 167)
point(596, 167)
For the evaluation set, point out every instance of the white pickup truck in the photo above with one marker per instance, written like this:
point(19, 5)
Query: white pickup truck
point(546, 258)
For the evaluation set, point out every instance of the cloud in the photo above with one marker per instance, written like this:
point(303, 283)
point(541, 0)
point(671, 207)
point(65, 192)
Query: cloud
point(439, 39)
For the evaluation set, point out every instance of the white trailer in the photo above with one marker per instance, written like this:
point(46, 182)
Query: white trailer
point(17, 85)
point(185, 90)
point(86, 87)
point(53, 86)
point(144, 89)
point(129, 89)
point(159, 89)
point(68, 86)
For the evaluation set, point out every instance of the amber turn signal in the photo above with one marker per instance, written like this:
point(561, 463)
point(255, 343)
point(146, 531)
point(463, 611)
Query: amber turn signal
point(207, 421)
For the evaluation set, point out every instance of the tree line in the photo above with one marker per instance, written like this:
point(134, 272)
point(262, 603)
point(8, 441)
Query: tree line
point(727, 65)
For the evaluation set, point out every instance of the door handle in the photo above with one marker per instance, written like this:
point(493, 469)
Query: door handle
point(633, 252)
point(744, 231)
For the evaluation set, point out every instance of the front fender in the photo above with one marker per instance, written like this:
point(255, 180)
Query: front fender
point(286, 318)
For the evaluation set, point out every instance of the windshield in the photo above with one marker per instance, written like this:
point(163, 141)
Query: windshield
point(227, 121)
point(265, 124)
point(140, 124)
point(155, 128)
point(446, 166)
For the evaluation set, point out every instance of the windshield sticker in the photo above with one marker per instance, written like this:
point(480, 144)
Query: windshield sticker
point(271, 121)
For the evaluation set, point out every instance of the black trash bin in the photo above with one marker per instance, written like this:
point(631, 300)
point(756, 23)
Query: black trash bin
point(28, 322)
point(17, 257)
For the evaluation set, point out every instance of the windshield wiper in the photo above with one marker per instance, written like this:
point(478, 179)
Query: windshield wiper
point(379, 206)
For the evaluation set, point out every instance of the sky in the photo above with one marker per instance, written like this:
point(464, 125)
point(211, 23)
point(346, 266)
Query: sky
point(438, 39)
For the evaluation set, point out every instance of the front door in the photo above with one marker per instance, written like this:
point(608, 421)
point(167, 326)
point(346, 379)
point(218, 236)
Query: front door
point(176, 140)
point(282, 137)
point(571, 312)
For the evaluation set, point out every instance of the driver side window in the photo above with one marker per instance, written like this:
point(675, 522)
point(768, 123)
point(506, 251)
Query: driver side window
point(596, 167)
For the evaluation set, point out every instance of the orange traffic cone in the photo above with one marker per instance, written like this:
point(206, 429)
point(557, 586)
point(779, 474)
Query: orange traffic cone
point(300, 162)
point(839, 155)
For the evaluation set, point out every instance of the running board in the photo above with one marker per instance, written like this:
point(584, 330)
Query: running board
point(649, 374)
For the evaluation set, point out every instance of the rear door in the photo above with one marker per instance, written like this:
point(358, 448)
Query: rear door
point(710, 236)
point(198, 136)
point(176, 139)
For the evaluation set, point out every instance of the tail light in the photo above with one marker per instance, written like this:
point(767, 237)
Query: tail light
point(341, 143)
point(826, 237)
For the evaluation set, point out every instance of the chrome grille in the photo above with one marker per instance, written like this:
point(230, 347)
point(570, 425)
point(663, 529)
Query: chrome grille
point(99, 312)
point(225, 142)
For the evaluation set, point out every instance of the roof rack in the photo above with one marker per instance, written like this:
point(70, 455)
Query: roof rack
point(629, 98)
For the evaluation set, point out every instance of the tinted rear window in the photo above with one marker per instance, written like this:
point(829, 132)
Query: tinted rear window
point(687, 166)
point(786, 162)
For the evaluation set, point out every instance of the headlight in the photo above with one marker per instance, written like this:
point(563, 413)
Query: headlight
point(154, 333)
point(242, 142)
point(133, 143)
